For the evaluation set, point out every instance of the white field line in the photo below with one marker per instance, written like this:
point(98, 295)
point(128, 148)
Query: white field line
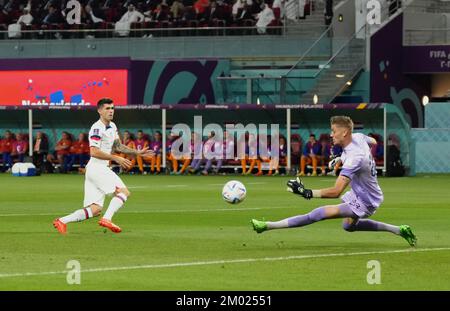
point(230, 209)
point(226, 261)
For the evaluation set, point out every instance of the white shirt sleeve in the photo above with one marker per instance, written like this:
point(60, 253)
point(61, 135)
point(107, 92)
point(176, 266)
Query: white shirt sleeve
point(95, 137)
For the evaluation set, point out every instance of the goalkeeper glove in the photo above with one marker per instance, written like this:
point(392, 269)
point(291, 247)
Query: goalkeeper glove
point(334, 162)
point(296, 186)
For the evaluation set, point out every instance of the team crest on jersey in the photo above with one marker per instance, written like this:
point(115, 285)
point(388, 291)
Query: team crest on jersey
point(96, 131)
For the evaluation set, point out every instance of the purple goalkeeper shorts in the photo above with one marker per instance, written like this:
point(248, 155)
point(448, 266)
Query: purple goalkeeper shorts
point(358, 207)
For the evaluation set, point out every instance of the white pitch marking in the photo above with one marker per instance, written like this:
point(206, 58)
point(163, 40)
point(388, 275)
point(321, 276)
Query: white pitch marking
point(166, 211)
point(230, 261)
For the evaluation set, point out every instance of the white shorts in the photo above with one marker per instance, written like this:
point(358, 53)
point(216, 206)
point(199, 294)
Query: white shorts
point(100, 181)
point(358, 207)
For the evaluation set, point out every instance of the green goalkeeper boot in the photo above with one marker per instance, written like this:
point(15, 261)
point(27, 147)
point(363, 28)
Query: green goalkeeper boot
point(259, 226)
point(408, 235)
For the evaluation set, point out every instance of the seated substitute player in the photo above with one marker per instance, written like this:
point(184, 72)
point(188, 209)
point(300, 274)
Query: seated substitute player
point(100, 180)
point(360, 202)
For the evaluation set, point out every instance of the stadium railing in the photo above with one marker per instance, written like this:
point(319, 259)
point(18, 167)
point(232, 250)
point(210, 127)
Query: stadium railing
point(145, 30)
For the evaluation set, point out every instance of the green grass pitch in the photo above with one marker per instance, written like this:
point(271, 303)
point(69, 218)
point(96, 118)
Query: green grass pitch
point(178, 234)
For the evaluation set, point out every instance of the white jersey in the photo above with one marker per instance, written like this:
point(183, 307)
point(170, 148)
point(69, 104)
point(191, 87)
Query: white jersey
point(102, 136)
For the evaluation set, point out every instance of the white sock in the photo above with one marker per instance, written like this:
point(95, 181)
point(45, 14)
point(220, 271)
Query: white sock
point(277, 224)
point(114, 205)
point(78, 215)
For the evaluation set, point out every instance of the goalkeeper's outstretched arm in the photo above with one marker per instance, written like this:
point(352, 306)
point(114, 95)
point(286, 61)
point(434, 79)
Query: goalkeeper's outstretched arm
point(333, 192)
point(296, 186)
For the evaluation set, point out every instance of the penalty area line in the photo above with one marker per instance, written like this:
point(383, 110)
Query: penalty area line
point(226, 261)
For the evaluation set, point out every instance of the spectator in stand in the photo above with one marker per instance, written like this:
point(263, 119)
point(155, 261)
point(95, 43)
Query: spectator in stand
point(336, 151)
point(310, 155)
point(19, 148)
point(197, 153)
point(176, 10)
point(275, 159)
point(296, 151)
point(156, 146)
point(187, 156)
point(53, 17)
point(251, 154)
point(142, 142)
point(228, 147)
point(61, 151)
point(26, 18)
point(278, 8)
point(215, 149)
point(264, 155)
point(244, 14)
point(265, 17)
point(238, 5)
point(161, 13)
point(325, 155)
point(6, 147)
point(130, 143)
point(78, 154)
point(170, 156)
point(377, 150)
point(40, 150)
point(95, 14)
point(132, 15)
point(200, 7)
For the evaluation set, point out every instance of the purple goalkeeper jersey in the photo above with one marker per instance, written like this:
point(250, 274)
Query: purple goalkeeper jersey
point(359, 166)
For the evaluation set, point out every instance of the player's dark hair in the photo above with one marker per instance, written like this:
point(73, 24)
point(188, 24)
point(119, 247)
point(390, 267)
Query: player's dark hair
point(104, 101)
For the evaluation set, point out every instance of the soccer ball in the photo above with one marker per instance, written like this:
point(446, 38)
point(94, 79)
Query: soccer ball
point(234, 192)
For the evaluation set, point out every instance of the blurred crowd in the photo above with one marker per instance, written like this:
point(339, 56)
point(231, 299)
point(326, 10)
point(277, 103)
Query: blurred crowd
point(122, 15)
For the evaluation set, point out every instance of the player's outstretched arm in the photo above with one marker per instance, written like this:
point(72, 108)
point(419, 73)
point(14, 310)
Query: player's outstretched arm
point(97, 153)
point(296, 186)
point(121, 148)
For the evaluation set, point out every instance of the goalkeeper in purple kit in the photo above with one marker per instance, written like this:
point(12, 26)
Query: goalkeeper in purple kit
point(362, 201)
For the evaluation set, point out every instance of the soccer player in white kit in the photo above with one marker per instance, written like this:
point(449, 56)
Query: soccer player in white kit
point(362, 201)
point(100, 180)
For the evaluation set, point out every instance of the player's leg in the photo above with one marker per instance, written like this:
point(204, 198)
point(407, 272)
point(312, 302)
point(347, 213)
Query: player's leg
point(93, 202)
point(120, 197)
point(253, 161)
point(140, 164)
point(304, 160)
point(244, 165)
point(158, 164)
point(133, 163)
point(321, 161)
point(60, 159)
point(207, 167)
point(219, 163)
point(357, 224)
point(174, 162)
point(314, 164)
point(152, 164)
point(186, 162)
point(318, 214)
point(92, 210)
point(111, 183)
point(259, 165)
